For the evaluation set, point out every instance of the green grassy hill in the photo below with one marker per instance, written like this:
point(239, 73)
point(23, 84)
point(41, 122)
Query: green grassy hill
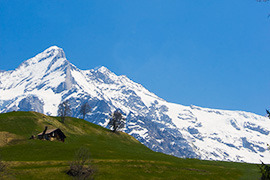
point(115, 155)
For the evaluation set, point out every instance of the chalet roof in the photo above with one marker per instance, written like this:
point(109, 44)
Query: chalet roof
point(49, 131)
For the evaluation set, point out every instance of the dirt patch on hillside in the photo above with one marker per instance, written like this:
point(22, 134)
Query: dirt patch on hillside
point(6, 138)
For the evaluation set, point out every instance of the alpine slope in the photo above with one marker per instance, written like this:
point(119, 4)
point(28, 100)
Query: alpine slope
point(44, 81)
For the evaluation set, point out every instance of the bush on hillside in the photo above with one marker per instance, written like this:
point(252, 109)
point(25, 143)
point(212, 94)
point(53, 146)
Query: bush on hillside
point(81, 167)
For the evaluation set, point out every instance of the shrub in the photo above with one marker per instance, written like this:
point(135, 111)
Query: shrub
point(81, 167)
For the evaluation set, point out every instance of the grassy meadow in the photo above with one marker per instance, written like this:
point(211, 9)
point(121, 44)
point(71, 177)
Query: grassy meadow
point(114, 155)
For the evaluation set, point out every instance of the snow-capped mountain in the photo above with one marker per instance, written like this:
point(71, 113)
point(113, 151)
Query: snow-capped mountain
point(44, 81)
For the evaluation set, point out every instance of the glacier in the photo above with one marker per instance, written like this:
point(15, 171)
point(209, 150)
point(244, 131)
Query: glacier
point(42, 82)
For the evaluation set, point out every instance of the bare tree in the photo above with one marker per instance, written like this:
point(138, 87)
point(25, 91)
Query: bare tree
point(64, 110)
point(117, 121)
point(81, 167)
point(85, 108)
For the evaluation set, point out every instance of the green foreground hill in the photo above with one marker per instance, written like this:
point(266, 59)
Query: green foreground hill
point(114, 155)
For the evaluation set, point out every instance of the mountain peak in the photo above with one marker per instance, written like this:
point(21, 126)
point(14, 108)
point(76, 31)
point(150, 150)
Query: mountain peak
point(53, 47)
point(103, 69)
point(54, 50)
point(50, 55)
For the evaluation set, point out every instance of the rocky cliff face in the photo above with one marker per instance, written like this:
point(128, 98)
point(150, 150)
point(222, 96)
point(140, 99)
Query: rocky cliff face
point(44, 81)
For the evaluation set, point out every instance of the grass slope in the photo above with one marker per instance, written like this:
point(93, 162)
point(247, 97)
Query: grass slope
point(115, 155)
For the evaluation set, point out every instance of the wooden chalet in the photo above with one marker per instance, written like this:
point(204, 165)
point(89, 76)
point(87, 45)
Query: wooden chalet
point(52, 134)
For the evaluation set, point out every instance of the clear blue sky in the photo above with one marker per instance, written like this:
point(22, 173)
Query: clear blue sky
point(204, 52)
